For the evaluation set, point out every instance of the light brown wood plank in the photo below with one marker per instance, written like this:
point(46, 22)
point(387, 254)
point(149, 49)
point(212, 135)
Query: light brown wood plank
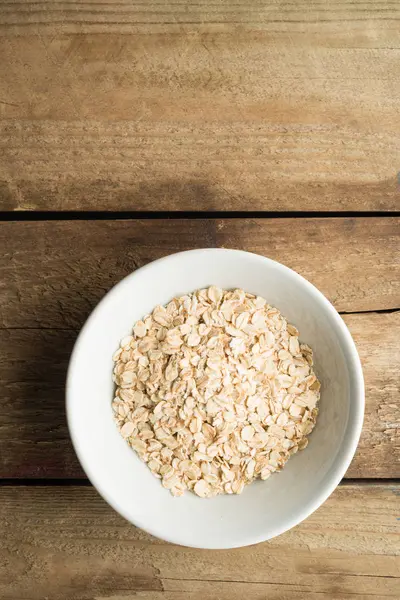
point(376, 336)
point(53, 273)
point(71, 545)
point(205, 106)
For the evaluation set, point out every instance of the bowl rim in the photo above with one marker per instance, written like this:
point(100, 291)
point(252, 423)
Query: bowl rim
point(349, 442)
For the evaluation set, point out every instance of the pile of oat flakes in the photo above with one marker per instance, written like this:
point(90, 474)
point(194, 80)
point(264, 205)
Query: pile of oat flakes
point(214, 390)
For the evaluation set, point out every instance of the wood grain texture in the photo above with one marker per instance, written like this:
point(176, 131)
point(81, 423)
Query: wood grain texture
point(204, 106)
point(34, 441)
point(53, 273)
point(67, 544)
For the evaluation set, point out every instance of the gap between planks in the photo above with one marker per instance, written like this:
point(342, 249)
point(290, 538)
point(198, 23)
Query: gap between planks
point(77, 215)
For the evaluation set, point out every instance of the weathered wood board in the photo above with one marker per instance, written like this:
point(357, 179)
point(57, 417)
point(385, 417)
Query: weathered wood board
point(65, 543)
point(123, 105)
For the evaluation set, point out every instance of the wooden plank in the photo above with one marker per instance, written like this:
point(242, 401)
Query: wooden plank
point(375, 336)
point(211, 106)
point(34, 441)
point(65, 543)
point(53, 273)
point(353, 261)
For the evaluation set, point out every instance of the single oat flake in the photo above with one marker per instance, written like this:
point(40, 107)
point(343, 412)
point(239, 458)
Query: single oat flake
point(214, 390)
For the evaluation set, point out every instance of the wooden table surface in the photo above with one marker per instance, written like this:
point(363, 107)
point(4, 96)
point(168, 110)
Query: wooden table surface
point(287, 115)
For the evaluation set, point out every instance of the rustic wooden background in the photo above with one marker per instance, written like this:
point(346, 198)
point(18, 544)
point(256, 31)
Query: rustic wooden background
point(287, 115)
point(203, 104)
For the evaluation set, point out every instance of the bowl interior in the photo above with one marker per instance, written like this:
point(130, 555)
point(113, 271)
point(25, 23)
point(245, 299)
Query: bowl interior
point(264, 509)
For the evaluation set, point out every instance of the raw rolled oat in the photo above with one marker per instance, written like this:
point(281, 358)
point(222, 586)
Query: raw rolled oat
point(214, 390)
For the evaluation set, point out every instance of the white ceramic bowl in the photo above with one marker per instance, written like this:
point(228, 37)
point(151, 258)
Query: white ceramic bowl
point(266, 508)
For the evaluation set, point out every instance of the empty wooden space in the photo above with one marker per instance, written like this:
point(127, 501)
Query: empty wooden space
point(123, 105)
